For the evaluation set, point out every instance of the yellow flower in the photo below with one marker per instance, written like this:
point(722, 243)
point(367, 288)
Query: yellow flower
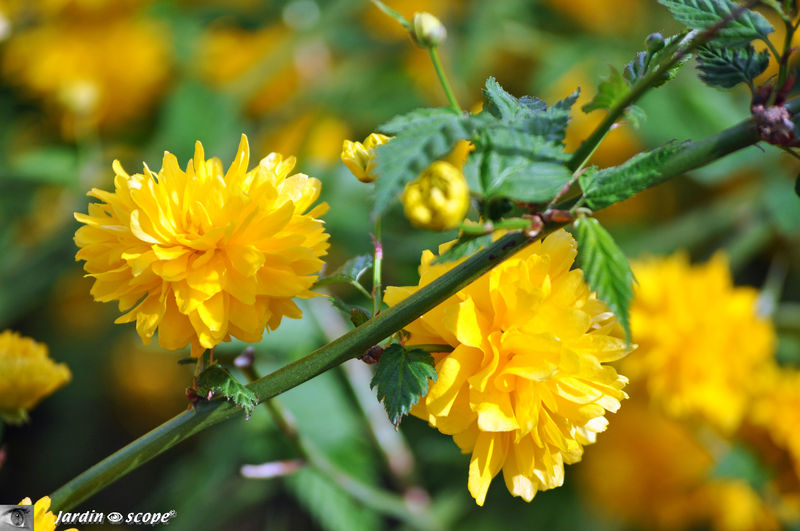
point(438, 199)
point(524, 388)
point(700, 339)
point(360, 158)
point(778, 411)
point(651, 472)
point(27, 375)
point(227, 55)
point(106, 72)
point(43, 519)
point(205, 254)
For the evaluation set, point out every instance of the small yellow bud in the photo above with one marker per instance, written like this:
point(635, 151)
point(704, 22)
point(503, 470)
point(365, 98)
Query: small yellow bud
point(428, 30)
point(438, 199)
point(360, 158)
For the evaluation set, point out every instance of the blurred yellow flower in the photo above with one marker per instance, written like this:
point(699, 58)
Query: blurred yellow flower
point(777, 410)
point(360, 158)
point(701, 342)
point(205, 254)
point(146, 386)
point(525, 387)
point(438, 199)
point(315, 136)
point(105, 72)
point(43, 519)
point(260, 63)
point(27, 375)
point(652, 472)
point(610, 16)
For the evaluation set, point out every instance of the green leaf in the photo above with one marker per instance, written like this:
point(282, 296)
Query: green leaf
point(726, 67)
point(331, 507)
point(349, 272)
point(218, 381)
point(704, 14)
point(402, 378)
point(416, 118)
point(531, 182)
point(606, 269)
point(506, 107)
point(611, 90)
point(505, 154)
point(609, 186)
point(465, 246)
point(645, 62)
point(50, 165)
point(741, 463)
point(783, 207)
point(14, 416)
point(422, 139)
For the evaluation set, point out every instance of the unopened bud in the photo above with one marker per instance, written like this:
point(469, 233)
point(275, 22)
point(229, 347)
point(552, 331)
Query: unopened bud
point(654, 42)
point(428, 30)
point(360, 158)
point(438, 199)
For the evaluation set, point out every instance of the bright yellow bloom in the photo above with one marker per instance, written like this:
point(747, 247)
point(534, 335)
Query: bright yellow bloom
point(700, 339)
point(205, 254)
point(104, 72)
point(43, 518)
point(438, 199)
point(360, 158)
point(524, 388)
point(778, 411)
point(27, 375)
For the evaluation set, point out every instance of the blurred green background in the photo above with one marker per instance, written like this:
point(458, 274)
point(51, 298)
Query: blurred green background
point(84, 82)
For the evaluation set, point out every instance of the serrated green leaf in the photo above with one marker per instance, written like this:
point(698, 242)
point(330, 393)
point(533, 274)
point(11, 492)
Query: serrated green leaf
point(416, 118)
point(611, 90)
point(531, 182)
point(506, 107)
point(414, 148)
point(551, 124)
point(605, 268)
point(726, 67)
point(218, 381)
point(704, 14)
point(505, 154)
point(401, 377)
point(609, 186)
point(466, 245)
point(644, 62)
point(349, 272)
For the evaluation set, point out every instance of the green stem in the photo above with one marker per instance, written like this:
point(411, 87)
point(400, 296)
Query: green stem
point(588, 147)
point(437, 64)
point(377, 266)
point(356, 284)
point(354, 342)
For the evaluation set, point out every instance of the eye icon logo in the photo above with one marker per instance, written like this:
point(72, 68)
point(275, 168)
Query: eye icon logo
point(114, 518)
point(16, 517)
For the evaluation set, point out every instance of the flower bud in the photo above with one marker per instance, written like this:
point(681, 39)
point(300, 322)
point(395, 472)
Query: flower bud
point(428, 31)
point(360, 158)
point(438, 199)
point(654, 42)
